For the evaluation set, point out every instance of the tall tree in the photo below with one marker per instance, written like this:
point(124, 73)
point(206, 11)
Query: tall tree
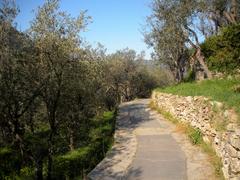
point(56, 37)
point(167, 37)
point(18, 74)
point(172, 28)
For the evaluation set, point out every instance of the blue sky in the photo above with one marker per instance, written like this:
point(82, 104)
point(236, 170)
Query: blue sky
point(117, 24)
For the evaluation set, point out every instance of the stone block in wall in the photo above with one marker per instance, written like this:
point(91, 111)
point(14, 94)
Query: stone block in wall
point(231, 151)
point(189, 99)
point(217, 104)
point(231, 127)
point(235, 165)
point(235, 141)
point(225, 172)
point(213, 132)
point(217, 139)
point(218, 149)
point(237, 132)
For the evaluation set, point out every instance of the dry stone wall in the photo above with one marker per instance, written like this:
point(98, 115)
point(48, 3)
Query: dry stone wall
point(218, 126)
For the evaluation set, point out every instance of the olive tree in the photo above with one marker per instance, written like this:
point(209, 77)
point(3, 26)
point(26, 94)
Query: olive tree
point(56, 38)
point(172, 32)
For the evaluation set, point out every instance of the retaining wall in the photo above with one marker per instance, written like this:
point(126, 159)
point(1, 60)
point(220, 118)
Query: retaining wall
point(217, 124)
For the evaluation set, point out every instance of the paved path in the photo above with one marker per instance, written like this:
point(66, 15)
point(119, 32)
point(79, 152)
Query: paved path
point(158, 157)
point(147, 147)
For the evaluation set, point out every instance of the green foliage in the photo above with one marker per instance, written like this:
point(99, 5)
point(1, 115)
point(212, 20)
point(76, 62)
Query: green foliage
point(190, 77)
point(78, 162)
point(73, 163)
point(223, 51)
point(5, 152)
point(132, 76)
point(9, 161)
point(27, 173)
point(194, 135)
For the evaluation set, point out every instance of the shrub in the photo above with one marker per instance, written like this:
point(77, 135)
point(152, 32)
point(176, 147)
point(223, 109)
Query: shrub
point(194, 135)
point(222, 51)
point(190, 77)
point(71, 164)
point(9, 161)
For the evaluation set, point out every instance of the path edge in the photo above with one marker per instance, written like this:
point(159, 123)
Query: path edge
point(119, 158)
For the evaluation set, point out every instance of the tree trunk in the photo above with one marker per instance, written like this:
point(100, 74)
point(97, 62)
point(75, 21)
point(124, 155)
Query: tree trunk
point(52, 122)
point(71, 140)
point(175, 72)
point(39, 169)
point(18, 137)
point(234, 11)
point(201, 60)
point(50, 154)
point(179, 75)
point(50, 148)
point(232, 15)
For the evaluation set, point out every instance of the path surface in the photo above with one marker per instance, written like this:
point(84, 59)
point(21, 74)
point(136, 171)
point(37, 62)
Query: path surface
point(158, 157)
point(147, 147)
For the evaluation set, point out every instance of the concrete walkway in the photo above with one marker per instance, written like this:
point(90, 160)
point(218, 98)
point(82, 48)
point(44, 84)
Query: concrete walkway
point(158, 157)
point(148, 147)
